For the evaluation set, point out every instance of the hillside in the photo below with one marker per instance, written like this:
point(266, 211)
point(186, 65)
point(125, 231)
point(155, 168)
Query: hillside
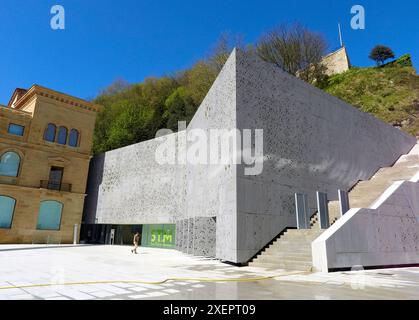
point(134, 112)
point(390, 92)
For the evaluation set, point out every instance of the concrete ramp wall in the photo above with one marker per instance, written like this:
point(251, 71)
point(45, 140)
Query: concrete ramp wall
point(386, 234)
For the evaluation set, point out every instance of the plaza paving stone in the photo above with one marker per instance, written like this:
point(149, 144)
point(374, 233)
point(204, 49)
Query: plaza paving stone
point(23, 265)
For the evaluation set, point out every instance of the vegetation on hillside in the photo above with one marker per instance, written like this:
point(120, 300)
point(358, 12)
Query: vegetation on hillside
point(296, 50)
point(380, 54)
point(389, 92)
point(135, 112)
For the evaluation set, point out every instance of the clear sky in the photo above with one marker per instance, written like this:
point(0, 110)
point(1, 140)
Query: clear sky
point(105, 40)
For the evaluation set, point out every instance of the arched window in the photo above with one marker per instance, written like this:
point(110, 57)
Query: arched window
point(49, 217)
point(50, 131)
point(62, 135)
point(7, 208)
point(74, 138)
point(9, 164)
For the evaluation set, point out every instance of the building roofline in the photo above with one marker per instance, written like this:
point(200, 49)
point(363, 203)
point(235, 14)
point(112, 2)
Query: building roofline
point(333, 52)
point(56, 95)
point(16, 111)
point(16, 92)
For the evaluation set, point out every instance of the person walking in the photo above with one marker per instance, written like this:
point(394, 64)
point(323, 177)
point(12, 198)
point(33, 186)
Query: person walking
point(136, 241)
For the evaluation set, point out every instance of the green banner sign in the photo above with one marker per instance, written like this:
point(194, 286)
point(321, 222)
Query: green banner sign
point(158, 235)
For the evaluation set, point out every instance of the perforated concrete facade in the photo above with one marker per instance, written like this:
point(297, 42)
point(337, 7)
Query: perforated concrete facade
point(312, 141)
point(128, 186)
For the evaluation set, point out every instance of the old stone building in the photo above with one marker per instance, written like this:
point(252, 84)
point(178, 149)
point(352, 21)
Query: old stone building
point(336, 62)
point(45, 148)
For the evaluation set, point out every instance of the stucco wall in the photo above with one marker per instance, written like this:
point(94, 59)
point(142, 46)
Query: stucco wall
point(385, 234)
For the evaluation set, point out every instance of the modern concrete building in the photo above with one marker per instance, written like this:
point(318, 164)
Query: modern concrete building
point(45, 150)
point(311, 142)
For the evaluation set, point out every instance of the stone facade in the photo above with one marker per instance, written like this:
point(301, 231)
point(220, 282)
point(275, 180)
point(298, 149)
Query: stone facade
point(34, 109)
point(336, 62)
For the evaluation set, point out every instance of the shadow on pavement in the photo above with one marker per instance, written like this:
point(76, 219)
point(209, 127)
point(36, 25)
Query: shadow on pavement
point(50, 247)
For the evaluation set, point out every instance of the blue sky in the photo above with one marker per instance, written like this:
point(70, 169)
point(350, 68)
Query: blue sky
point(132, 39)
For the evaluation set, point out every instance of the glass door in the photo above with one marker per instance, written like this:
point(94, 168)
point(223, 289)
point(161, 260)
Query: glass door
point(55, 178)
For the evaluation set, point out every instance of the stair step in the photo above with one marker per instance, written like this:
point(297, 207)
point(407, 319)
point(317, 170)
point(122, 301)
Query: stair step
point(292, 244)
point(295, 266)
point(302, 235)
point(306, 238)
point(307, 232)
point(284, 259)
point(295, 241)
point(292, 250)
point(286, 254)
point(284, 250)
point(291, 247)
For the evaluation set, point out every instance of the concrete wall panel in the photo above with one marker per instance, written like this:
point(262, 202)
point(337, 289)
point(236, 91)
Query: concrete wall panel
point(128, 186)
point(312, 141)
point(385, 234)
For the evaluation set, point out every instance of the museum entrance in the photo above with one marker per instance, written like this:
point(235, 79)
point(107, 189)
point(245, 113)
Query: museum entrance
point(108, 234)
point(151, 235)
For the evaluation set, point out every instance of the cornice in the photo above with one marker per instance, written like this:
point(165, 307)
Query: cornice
point(17, 187)
point(46, 149)
point(57, 96)
point(17, 112)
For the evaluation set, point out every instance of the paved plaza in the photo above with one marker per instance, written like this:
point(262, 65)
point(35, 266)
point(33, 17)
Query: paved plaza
point(113, 272)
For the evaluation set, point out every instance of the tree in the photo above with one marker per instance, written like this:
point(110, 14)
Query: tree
point(117, 86)
point(131, 126)
point(295, 49)
point(380, 54)
point(221, 51)
point(180, 107)
point(134, 112)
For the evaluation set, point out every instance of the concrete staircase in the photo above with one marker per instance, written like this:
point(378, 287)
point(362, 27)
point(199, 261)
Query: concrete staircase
point(365, 193)
point(292, 250)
